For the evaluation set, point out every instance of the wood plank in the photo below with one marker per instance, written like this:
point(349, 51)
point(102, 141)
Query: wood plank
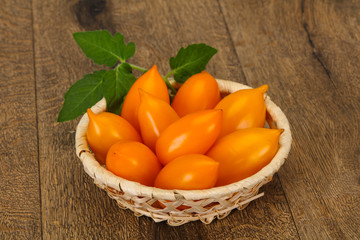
point(20, 216)
point(333, 29)
point(309, 55)
point(72, 206)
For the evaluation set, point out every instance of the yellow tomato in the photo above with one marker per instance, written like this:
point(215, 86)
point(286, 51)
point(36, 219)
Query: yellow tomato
point(154, 116)
point(243, 109)
point(188, 172)
point(133, 161)
point(151, 82)
point(244, 153)
point(194, 133)
point(104, 130)
point(199, 92)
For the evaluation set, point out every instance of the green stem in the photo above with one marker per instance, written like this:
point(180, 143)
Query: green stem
point(169, 74)
point(137, 67)
point(168, 83)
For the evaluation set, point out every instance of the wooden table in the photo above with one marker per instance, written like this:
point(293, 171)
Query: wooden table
point(307, 51)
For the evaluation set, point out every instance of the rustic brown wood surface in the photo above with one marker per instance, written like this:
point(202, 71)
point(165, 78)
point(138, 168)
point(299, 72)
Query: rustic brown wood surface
point(307, 51)
point(20, 213)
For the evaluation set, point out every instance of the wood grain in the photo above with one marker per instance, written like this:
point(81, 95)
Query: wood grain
point(72, 206)
point(19, 176)
point(307, 52)
point(336, 44)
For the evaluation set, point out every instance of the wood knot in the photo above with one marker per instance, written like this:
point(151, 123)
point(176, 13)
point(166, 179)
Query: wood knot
point(89, 14)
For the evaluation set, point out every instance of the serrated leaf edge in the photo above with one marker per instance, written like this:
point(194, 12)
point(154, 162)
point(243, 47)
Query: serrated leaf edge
point(105, 50)
point(64, 118)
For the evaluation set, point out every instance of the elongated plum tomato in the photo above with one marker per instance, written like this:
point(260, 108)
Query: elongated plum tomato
point(194, 133)
point(188, 172)
point(243, 109)
point(244, 152)
point(154, 116)
point(104, 130)
point(199, 92)
point(151, 82)
point(133, 161)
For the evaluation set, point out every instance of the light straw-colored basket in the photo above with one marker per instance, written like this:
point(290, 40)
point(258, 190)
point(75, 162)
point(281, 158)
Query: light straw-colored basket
point(181, 206)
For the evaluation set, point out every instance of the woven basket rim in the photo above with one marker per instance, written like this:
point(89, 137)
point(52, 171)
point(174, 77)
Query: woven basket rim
point(104, 177)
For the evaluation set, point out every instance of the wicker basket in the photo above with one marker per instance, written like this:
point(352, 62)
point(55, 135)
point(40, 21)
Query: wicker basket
point(181, 206)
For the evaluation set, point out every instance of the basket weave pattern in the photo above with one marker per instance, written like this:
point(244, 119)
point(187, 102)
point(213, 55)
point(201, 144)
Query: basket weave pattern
point(181, 206)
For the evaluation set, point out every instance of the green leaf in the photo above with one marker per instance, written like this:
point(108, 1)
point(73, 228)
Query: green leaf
point(117, 83)
point(190, 60)
point(103, 48)
point(83, 94)
point(125, 51)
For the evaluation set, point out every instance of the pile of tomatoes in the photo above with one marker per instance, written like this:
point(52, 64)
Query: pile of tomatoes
point(198, 142)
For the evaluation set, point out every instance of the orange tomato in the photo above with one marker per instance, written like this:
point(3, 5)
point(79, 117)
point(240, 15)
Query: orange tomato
point(244, 153)
point(199, 92)
point(243, 109)
point(133, 161)
point(104, 130)
point(194, 133)
point(154, 116)
point(153, 83)
point(188, 172)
